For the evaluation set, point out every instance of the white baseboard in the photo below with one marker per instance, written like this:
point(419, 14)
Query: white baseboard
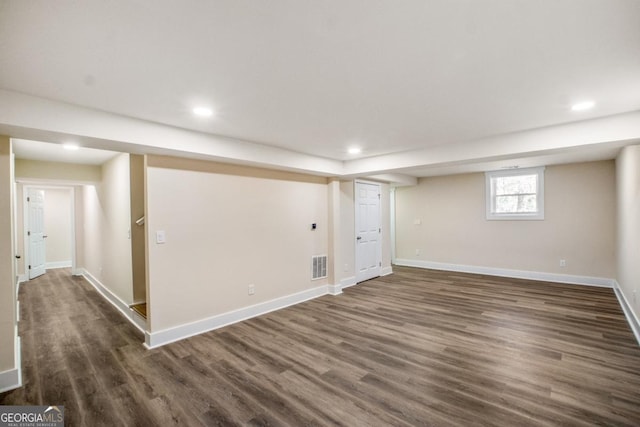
point(21, 279)
point(347, 281)
point(632, 319)
point(140, 321)
point(57, 264)
point(517, 274)
point(334, 289)
point(159, 338)
point(12, 378)
point(112, 298)
point(351, 281)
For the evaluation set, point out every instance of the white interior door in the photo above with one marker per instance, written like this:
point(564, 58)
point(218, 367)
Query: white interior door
point(368, 242)
point(35, 233)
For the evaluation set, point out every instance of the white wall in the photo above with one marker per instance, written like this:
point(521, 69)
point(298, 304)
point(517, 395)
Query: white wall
point(579, 224)
point(19, 223)
point(385, 223)
point(69, 172)
point(227, 227)
point(106, 248)
point(8, 362)
point(628, 232)
point(347, 266)
point(57, 226)
point(78, 211)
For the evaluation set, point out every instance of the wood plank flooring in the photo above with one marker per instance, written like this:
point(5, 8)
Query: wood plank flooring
point(418, 347)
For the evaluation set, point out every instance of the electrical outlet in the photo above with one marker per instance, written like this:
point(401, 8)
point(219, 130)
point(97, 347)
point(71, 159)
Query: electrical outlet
point(563, 263)
point(417, 252)
point(252, 289)
point(346, 268)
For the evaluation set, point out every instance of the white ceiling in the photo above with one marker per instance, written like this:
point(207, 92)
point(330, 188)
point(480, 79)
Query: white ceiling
point(46, 151)
point(317, 77)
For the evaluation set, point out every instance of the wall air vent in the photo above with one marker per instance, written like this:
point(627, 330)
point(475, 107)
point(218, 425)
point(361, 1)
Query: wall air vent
point(318, 267)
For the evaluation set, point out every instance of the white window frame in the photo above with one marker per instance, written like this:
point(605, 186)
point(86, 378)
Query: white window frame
point(490, 197)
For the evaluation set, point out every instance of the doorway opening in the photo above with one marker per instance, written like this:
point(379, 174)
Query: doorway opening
point(48, 229)
point(103, 193)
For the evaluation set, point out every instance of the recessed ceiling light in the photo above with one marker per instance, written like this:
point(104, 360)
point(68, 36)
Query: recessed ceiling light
point(582, 106)
point(70, 147)
point(354, 150)
point(203, 111)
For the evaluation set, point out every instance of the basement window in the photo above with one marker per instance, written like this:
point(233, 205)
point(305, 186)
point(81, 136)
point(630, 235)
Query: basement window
point(515, 194)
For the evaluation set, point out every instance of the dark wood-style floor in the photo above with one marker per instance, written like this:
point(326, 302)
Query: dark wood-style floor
point(418, 347)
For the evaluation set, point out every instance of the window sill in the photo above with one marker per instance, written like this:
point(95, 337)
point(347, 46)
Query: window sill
point(515, 217)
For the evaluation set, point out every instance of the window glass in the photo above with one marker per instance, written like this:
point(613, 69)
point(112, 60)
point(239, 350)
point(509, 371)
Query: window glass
point(516, 194)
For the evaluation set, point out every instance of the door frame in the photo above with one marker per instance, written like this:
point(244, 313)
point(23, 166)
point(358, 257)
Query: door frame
point(355, 228)
point(25, 221)
point(392, 223)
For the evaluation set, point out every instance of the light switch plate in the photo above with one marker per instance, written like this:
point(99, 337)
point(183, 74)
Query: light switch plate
point(160, 237)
